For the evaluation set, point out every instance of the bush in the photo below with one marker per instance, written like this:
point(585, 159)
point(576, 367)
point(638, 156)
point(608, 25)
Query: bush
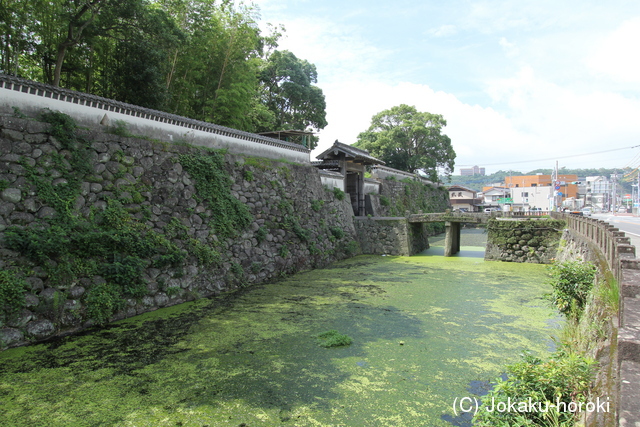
point(571, 282)
point(562, 379)
point(12, 290)
point(352, 248)
point(338, 193)
point(337, 232)
point(316, 205)
point(103, 301)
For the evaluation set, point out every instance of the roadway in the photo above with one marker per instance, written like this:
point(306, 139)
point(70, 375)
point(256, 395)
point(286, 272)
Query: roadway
point(624, 222)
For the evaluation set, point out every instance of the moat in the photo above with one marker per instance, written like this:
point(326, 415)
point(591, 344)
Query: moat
point(426, 330)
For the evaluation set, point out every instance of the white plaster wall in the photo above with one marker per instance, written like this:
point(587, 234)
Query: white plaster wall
point(88, 115)
point(332, 181)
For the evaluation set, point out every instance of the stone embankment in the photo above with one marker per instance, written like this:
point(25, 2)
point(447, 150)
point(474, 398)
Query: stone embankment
point(523, 240)
point(101, 227)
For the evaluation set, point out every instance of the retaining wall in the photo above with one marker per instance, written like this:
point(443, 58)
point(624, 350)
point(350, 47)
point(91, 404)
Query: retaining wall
point(525, 240)
point(391, 236)
point(294, 224)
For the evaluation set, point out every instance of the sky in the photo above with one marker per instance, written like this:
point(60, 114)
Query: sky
point(521, 83)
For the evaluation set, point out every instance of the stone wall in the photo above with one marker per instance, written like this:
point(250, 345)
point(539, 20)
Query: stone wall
point(527, 240)
point(391, 236)
point(103, 227)
point(397, 198)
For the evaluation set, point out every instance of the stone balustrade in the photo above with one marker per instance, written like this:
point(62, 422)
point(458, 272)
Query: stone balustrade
point(621, 260)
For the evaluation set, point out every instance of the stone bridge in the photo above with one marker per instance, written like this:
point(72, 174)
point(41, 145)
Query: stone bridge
point(452, 222)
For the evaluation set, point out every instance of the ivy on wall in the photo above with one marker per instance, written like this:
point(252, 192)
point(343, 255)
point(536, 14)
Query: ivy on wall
point(213, 184)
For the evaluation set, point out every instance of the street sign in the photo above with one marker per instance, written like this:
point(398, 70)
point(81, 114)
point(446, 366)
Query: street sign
point(505, 200)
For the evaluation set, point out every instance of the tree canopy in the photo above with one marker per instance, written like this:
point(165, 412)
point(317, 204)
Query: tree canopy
point(204, 59)
point(289, 92)
point(409, 140)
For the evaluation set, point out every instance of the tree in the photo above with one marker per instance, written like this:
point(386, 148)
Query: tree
point(409, 140)
point(288, 91)
point(214, 73)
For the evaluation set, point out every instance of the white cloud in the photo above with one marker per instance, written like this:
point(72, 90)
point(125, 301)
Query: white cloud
point(479, 135)
point(537, 112)
point(510, 49)
point(617, 55)
point(443, 31)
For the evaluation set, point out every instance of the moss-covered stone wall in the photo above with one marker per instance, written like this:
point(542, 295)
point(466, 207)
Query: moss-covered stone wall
point(523, 240)
point(399, 197)
point(97, 226)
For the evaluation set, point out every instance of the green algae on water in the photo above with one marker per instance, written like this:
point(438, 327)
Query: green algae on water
point(423, 329)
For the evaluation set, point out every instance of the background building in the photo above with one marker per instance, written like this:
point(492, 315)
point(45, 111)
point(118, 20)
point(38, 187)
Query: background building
point(472, 171)
point(464, 199)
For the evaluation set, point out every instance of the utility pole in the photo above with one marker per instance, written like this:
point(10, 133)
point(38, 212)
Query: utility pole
point(555, 192)
point(614, 191)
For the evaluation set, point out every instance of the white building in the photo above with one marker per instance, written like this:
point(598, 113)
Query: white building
point(532, 198)
point(598, 192)
point(495, 196)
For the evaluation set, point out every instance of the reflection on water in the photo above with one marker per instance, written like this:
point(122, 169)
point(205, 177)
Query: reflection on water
point(424, 330)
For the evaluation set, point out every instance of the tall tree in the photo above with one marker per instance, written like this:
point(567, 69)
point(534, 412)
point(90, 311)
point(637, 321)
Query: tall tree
point(289, 92)
point(409, 140)
point(214, 74)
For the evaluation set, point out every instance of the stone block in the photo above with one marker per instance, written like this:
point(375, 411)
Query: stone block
point(41, 329)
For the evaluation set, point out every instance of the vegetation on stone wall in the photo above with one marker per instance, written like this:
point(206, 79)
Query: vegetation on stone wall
point(102, 226)
point(12, 288)
point(408, 195)
point(112, 243)
point(228, 214)
point(526, 240)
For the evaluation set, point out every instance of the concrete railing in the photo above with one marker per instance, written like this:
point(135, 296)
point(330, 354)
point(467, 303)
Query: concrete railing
point(32, 97)
point(620, 256)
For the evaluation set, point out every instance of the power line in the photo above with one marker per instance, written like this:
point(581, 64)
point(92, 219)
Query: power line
point(554, 158)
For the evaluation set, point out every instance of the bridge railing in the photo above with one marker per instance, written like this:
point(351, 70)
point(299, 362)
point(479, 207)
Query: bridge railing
point(611, 242)
point(615, 247)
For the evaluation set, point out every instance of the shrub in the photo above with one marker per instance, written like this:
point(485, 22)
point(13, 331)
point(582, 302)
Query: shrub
point(213, 186)
point(261, 234)
point(384, 201)
point(333, 338)
point(337, 232)
point(316, 205)
point(338, 193)
point(63, 127)
point(119, 128)
point(12, 290)
point(126, 272)
point(103, 301)
point(561, 379)
point(571, 282)
point(352, 248)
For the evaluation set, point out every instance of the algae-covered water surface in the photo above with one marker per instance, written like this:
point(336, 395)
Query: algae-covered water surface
point(424, 328)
